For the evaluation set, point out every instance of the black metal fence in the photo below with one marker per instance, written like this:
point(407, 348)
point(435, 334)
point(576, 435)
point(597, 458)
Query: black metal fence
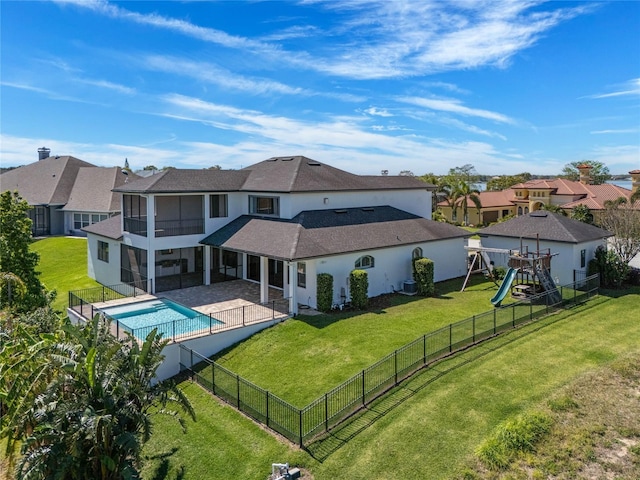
point(82, 301)
point(303, 425)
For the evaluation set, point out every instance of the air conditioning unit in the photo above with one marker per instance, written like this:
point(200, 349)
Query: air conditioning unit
point(410, 287)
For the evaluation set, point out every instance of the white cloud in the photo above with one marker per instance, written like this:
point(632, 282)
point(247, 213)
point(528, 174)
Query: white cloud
point(455, 106)
point(378, 112)
point(629, 88)
point(611, 131)
point(383, 39)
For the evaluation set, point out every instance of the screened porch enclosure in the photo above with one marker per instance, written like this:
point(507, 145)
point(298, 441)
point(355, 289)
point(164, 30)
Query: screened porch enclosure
point(177, 268)
point(225, 265)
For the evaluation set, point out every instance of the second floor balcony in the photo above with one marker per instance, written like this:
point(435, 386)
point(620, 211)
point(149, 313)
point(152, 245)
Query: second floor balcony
point(170, 228)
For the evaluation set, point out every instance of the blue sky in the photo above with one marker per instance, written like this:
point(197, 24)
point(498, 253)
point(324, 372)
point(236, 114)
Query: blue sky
point(365, 86)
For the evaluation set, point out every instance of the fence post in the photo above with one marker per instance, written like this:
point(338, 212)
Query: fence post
point(494, 322)
point(238, 390)
point(103, 294)
point(474, 329)
point(424, 349)
point(191, 360)
point(243, 315)
point(210, 324)
point(118, 329)
point(173, 328)
point(326, 413)
point(273, 309)
point(213, 377)
point(267, 408)
point(450, 337)
point(395, 367)
point(300, 415)
point(363, 398)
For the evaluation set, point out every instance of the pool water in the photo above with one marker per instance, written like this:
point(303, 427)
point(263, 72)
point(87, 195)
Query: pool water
point(168, 317)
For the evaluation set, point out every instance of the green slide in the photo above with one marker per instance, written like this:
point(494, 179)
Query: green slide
point(504, 287)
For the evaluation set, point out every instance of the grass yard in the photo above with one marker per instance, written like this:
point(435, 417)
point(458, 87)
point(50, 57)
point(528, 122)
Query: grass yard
point(332, 348)
point(430, 426)
point(63, 266)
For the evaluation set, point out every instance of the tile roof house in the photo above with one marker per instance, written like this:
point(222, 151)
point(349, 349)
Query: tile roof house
point(573, 241)
point(65, 193)
point(533, 195)
point(279, 223)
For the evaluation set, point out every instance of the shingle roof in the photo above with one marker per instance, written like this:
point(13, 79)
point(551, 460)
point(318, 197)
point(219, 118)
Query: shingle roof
point(277, 174)
point(546, 226)
point(92, 190)
point(175, 180)
point(110, 228)
point(46, 182)
point(318, 233)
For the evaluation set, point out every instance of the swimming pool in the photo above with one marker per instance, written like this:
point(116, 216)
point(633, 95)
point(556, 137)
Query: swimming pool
point(170, 318)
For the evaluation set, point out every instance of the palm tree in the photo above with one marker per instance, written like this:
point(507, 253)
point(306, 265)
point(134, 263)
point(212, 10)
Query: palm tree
point(461, 193)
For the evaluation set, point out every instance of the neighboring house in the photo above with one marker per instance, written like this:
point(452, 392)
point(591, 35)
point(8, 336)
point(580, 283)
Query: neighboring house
point(573, 241)
point(534, 195)
point(49, 184)
point(92, 199)
point(279, 222)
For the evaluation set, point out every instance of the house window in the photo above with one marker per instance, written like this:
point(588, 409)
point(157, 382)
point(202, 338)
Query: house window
point(583, 258)
point(264, 205)
point(103, 251)
point(417, 253)
point(218, 206)
point(365, 261)
point(302, 274)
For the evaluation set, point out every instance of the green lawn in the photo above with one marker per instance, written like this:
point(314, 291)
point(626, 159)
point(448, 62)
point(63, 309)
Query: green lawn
point(332, 348)
point(63, 266)
point(430, 426)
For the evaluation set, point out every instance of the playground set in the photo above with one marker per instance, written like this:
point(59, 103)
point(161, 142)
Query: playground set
point(529, 272)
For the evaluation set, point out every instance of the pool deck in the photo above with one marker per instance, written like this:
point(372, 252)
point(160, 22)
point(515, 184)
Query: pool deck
point(212, 299)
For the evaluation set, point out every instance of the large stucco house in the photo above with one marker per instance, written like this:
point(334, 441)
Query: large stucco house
point(65, 193)
point(535, 195)
point(278, 223)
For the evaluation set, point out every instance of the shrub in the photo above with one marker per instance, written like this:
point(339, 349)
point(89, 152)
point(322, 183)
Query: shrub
point(499, 273)
point(324, 291)
point(423, 276)
point(613, 271)
point(512, 437)
point(359, 285)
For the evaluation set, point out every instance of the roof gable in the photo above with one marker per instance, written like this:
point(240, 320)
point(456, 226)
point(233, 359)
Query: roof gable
point(46, 182)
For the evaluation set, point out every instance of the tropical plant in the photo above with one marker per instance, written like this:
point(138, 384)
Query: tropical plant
point(93, 415)
point(554, 209)
point(582, 213)
point(25, 370)
point(463, 192)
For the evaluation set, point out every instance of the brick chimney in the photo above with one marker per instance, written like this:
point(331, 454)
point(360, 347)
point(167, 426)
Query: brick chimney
point(635, 180)
point(585, 173)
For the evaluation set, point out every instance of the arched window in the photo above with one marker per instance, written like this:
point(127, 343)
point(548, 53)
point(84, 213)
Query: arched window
point(417, 253)
point(366, 261)
point(519, 210)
